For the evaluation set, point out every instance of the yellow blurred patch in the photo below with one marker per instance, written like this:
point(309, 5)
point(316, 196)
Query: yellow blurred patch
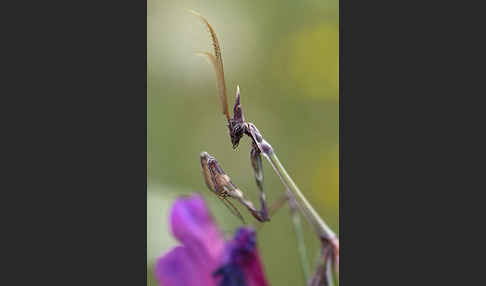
point(325, 183)
point(314, 61)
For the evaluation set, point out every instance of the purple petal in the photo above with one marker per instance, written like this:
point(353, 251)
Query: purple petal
point(250, 258)
point(193, 225)
point(175, 269)
point(254, 272)
point(242, 257)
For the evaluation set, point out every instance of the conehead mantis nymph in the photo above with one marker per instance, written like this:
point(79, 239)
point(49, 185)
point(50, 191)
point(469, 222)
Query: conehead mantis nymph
point(220, 184)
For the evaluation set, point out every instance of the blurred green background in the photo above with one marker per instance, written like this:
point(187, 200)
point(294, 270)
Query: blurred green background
point(284, 55)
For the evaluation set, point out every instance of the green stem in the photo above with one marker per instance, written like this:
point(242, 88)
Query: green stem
point(300, 240)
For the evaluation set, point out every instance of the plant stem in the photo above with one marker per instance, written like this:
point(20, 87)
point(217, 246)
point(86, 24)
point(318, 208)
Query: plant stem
point(300, 236)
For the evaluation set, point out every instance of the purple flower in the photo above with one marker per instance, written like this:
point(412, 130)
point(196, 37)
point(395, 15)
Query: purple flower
point(205, 258)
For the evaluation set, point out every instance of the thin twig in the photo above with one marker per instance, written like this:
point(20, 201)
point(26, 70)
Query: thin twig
point(304, 261)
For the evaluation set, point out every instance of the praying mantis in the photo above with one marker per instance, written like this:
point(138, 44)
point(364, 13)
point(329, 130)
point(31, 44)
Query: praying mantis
point(220, 183)
point(216, 180)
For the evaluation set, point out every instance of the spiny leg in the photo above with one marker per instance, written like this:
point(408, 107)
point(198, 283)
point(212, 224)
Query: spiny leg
point(220, 183)
point(206, 172)
point(256, 163)
point(210, 181)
